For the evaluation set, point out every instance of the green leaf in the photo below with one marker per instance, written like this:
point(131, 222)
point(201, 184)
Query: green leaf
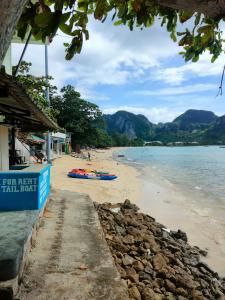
point(86, 34)
point(59, 4)
point(22, 31)
point(82, 5)
point(195, 58)
point(37, 36)
point(42, 20)
point(122, 10)
point(66, 29)
point(197, 19)
point(173, 36)
point(118, 22)
point(205, 29)
point(100, 9)
point(65, 17)
point(213, 59)
point(185, 16)
point(181, 33)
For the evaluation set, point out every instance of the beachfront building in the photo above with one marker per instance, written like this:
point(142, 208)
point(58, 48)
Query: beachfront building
point(58, 142)
point(22, 185)
point(153, 143)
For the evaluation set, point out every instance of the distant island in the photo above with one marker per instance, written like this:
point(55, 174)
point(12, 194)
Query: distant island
point(193, 127)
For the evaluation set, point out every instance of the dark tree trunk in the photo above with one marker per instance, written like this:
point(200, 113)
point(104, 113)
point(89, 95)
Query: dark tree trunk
point(211, 8)
point(10, 12)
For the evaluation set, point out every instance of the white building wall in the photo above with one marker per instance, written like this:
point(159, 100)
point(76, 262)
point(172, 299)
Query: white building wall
point(4, 148)
point(7, 62)
point(24, 149)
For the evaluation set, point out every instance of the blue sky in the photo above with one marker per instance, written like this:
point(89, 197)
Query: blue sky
point(139, 71)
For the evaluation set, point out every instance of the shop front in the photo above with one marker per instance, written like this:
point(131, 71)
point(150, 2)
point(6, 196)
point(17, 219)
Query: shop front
point(22, 186)
point(24, 189)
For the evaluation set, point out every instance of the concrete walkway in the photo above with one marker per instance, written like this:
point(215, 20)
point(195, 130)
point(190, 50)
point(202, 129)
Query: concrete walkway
point(71, 259)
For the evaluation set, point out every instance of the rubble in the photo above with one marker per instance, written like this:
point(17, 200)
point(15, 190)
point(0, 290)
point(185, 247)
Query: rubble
point(156, 263)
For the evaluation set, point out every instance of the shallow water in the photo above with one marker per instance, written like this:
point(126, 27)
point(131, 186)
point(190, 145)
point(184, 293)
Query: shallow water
point(194, 168)
point(184, 187)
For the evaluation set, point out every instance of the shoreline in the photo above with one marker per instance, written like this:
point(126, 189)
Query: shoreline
point(156, 196)
point(173, 207)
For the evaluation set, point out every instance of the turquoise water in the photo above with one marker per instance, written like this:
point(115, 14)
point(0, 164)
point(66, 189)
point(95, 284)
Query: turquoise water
point(198, 170)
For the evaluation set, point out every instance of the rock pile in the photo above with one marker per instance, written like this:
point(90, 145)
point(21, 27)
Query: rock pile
point(156, 263)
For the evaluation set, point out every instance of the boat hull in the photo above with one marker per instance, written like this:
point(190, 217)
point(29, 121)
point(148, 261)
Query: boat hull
point(93, 177)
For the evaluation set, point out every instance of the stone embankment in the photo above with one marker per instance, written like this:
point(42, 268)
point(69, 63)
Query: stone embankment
point(156, 263)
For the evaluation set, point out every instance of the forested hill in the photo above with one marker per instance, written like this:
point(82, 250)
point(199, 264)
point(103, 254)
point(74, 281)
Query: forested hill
point(192, 118)
point(215, 132)
point(133, 126)
point(192, 126)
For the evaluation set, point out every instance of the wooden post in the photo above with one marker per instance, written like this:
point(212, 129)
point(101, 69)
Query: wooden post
point(4, 149)
point(13, 146)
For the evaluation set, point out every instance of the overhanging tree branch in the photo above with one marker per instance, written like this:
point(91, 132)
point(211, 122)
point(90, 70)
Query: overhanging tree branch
point(212, 8)
point(46, 17)
point(220, 92)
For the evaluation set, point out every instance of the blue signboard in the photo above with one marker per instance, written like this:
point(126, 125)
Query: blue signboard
point(24, 190)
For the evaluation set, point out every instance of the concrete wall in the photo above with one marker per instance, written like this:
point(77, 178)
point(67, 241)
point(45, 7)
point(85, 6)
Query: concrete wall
point(4, 149)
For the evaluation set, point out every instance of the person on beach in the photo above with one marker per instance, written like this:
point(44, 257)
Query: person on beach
point(89, 156)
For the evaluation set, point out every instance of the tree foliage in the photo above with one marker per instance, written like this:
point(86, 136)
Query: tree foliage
point(45, 17)
point(36, 86)
point(122, 140)
point(78, 116)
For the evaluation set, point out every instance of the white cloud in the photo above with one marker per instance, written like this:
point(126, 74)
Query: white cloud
point(92, 95)
point(202, 68)
point(113, 55)
point(181, 90)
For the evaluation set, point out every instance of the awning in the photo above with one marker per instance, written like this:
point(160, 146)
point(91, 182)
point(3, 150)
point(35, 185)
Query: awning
point(19, 109)
point(36, 139)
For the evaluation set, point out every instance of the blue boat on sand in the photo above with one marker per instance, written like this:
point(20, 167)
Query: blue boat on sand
point(92, 176)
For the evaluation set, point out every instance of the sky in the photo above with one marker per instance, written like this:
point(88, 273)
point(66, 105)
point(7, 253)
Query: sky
point(139, 71)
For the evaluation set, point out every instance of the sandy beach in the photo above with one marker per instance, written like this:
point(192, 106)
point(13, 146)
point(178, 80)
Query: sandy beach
point(126, 186)
point(155, 196)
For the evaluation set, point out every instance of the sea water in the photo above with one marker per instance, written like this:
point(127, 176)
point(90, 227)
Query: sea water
point(192, 168)
point(198, 173)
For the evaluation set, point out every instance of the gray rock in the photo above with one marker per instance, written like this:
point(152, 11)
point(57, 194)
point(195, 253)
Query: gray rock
point(172, 270)
point(120, 230)
point(179, 235)
point(127, 260)
point(148, 294)
point(144, 276)
point(132, 275)
point(203, 252)
point(134, 293)
point(138, 265)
